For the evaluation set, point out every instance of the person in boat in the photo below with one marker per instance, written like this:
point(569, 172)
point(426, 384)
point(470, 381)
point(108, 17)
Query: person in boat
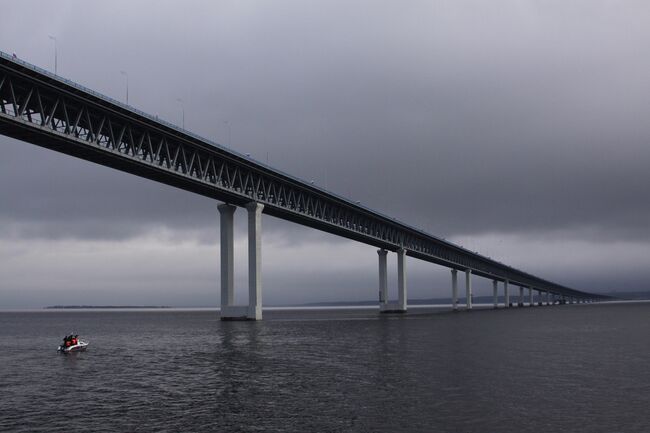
point(69, 340)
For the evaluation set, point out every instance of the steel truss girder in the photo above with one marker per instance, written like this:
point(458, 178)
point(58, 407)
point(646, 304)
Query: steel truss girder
point(41, 109)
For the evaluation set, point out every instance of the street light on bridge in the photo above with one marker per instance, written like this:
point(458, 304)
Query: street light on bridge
point(180, 101)
point(55, 54)
point(127, 86)
point(227, 123)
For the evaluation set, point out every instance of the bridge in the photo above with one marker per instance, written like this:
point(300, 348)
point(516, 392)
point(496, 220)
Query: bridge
point(44, 109)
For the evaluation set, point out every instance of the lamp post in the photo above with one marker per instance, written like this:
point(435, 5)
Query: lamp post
point(127, 85)
point(55, 54)
point(227, 123)
point(179, 100)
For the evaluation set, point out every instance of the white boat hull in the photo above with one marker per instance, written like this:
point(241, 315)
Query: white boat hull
point(79, 347)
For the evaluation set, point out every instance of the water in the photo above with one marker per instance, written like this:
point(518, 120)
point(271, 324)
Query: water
point(581, 368)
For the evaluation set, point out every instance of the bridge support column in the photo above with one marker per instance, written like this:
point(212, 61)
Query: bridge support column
point(540, 302)
point(254, 260)
point(253, 311)
point(227, 212)
point(521, 297)
point(506, 295)
point(530, 297)
point(548, 298)
point(401, 278)
point(383, 278)
point(468, 288)
point(495, 294)
point(454, 289)
point(401, 305)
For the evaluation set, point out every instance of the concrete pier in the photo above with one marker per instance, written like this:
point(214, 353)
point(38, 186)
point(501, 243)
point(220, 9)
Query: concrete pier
point(540, 301)
point(468, 288)
point(495, 293)
point(254, 260)
point(506, 295)
point(401, 305)
point(252, 311)
point(548, 298)
point(454, 289)
point(401, 278)
point(521, 297)
point(530, 297)
point(227, 212)
point(383, 278)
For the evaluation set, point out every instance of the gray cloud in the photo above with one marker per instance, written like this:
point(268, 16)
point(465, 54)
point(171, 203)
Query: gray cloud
point(521, 118)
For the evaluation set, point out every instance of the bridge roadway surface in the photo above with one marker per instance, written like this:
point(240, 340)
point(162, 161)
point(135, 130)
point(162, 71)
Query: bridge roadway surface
point(41, 108)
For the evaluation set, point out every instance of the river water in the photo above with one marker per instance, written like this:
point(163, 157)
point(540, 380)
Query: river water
point(573, 368)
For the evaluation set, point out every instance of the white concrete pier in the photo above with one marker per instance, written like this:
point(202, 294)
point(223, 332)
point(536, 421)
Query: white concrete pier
point(401, 278)
point(401, 305)
point(495, 293)
point(227, 255)
point(383, 278)
point(468, 288)
point(254, 260)
point(252, 311)
point(454, 289)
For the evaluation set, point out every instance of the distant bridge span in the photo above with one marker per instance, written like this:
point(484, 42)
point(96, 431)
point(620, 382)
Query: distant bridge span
point(41, 108)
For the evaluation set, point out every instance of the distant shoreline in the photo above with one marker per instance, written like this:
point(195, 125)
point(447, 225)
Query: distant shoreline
point(614, 297)
point(84, 307)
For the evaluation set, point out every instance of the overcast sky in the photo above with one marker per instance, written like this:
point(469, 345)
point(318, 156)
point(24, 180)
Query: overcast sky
point(516, 128)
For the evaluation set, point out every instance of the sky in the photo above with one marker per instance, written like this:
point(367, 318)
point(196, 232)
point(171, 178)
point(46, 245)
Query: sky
point(518, 129)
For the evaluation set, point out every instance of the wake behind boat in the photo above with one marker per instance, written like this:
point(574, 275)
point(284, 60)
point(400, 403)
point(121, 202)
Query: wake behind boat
point(71, 343)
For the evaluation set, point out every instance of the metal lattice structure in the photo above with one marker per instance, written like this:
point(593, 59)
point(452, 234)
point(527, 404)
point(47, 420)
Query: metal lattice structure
point(43, 109)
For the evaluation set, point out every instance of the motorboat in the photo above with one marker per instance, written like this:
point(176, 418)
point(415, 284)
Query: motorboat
point(72, 343)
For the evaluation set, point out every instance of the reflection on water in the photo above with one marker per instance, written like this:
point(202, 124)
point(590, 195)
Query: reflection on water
point(569, 368)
